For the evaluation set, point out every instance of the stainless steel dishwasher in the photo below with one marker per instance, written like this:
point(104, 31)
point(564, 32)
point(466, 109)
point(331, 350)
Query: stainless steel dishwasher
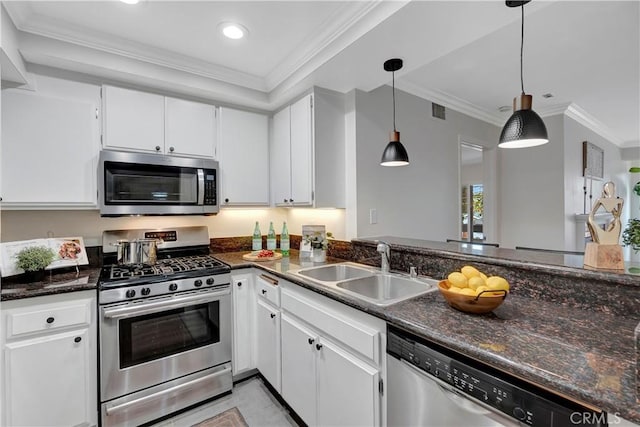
point(430, 386)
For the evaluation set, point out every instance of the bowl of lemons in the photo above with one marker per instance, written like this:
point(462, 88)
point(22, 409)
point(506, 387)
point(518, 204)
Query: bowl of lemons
point(472, 291)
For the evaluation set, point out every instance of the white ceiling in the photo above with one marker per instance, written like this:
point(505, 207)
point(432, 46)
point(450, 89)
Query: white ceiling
point(464, 55)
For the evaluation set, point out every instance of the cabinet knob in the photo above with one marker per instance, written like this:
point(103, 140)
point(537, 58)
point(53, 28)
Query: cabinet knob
point(226, 200)
point(77, 339)
point(311, 341)
point(318, 346)
point(157, 148)
point(239, 284)
point(264, 291)
point(171, 149)
point(285, 200)
point(273, 315)
point(50, 319)
point(290, 200)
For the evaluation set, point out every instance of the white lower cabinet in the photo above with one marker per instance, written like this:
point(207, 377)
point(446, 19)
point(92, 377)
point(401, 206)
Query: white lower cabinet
point(268, 342)
point(324, 379)
point(50, 361)
point(243, 313)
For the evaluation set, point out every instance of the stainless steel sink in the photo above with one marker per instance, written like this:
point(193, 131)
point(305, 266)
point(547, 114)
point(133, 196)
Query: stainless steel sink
point(335, 272)
point(368, 283)
point(385, 289)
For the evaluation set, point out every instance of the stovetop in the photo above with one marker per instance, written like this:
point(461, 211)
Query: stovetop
point(168, 269)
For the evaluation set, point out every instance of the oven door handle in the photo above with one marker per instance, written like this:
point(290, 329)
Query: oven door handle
point(156, 306)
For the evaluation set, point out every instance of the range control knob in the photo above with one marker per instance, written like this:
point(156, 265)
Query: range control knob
point(173, 287)
point(210, 281)
point(130, 293)
point(197, 283)
point(416, 361)
point(145, 291)
point(519, 413)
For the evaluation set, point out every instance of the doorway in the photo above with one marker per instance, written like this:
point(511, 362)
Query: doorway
point(472, 193)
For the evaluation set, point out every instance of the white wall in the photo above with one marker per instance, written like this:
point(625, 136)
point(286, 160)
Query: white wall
point(419, 200)
point(22, 225)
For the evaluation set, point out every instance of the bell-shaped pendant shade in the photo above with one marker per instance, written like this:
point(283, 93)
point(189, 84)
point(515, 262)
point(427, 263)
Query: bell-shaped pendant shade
point(524, 128)
point(394, 154)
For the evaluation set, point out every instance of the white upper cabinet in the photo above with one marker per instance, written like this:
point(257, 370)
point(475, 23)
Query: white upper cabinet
point(308, 150)
point(146, 122)
point(50, 146)
point(190, 128)
point(133, 120)
point(243, 153)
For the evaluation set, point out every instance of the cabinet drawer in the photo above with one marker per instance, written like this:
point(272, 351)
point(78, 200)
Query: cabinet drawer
point(361, 338)
point(267, 288)
point(45, 318)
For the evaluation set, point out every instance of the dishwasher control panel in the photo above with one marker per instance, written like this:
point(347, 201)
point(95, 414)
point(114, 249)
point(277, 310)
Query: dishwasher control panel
point(514, 398)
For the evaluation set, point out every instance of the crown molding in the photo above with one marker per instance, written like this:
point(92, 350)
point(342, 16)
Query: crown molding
point(593, 124)
point(451, 101)
point(341, 29)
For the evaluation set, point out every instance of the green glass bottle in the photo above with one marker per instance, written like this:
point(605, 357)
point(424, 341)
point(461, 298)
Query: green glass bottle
point(284, 240)
point(271, 237)
point(256, 242)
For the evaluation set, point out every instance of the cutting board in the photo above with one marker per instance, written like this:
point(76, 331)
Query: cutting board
point(252, 256)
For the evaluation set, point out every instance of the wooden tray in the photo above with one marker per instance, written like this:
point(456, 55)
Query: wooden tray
point(252, 256)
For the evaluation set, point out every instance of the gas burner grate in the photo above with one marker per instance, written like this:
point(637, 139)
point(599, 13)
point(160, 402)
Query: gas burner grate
point(164, 267)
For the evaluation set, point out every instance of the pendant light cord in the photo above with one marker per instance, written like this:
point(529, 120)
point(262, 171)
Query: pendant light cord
point(393, 80)
point(522, 48)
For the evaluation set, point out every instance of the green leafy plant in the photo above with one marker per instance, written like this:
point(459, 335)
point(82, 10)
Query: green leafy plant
point(631, 234)
point(34, 258)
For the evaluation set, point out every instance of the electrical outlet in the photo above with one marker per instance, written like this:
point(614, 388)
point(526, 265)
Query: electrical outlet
point(373, 216)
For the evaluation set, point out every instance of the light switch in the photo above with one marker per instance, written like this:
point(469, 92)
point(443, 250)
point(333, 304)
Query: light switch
point(373, 216)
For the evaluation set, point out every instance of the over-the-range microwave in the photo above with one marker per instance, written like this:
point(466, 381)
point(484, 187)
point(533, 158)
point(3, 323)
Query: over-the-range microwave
point(155, 184)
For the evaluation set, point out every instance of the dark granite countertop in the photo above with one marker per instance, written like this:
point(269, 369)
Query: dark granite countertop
point(54, 283)
point(573, 352)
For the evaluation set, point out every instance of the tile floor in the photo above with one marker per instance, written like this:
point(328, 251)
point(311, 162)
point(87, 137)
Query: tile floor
point(255, 402)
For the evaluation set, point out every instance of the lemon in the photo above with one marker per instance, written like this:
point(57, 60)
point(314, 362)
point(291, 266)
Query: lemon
point(455, 289)
point(497, 283)
point(484, 276)
point(468, 291)
point(469, 271)
point(457, 279)
point(476, 281)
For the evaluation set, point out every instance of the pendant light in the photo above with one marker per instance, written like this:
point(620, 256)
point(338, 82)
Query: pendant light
point(394, 154)
point(524, 128)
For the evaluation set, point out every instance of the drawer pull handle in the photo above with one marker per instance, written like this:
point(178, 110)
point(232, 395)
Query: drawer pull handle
point(264, 291)
point(311, 341)
point(318, 347)
point(271, 280)
point(77, 339)
point(50, 320)
point(273, 315)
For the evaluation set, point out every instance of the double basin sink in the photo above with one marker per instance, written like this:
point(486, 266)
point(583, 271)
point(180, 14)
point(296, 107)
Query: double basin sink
point(368, 284)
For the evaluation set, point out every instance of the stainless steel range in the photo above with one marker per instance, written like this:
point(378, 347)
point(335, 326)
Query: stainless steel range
point(165, 328)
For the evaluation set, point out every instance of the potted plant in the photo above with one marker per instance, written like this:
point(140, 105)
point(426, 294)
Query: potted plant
point(631, 234)
point(33, 261)
point(319, 243)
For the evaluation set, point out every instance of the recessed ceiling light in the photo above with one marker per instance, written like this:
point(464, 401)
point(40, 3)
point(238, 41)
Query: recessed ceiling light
point(130, 1)
point(232, 30)
point(504, 108)
point(547, 95)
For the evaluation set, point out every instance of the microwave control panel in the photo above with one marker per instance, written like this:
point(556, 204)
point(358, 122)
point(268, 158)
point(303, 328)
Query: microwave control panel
point(210, 188)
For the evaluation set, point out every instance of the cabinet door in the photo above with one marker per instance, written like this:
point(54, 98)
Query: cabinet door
point(299, 368)
point(244, 157)
point(347, 389)
point(302, 152)
point(50, 149)
point(281, 157)
point(133, 120)
point(242, 323)
point(48, 381)
point(268, 343)
point(190, 128)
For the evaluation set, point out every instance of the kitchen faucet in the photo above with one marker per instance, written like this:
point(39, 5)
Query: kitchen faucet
point(385, 250)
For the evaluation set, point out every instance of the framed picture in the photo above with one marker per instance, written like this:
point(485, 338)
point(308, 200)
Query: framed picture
point(592, 160)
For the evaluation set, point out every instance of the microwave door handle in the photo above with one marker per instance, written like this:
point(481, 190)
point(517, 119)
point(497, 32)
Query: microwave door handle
point(200, 187)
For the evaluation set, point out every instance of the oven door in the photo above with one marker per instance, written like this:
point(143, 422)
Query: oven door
point(149, 342)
